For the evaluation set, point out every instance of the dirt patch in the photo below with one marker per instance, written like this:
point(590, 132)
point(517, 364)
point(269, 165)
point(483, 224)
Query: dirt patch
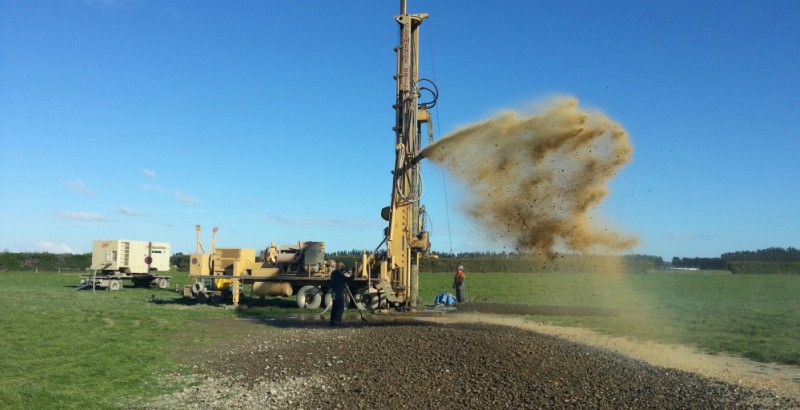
point(781, 379)
point(409, 363)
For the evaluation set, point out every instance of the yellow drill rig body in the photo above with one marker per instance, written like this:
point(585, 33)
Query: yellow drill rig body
point(388, 279)
point(406, 238)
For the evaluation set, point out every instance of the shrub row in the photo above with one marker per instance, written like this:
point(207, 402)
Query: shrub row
point(752, 267)
point(29, 261)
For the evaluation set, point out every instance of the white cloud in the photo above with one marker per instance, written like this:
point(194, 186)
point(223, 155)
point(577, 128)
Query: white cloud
point(82, 216)
point(77, 185)
point(177, 194)
point(130, 212)
point(52, 247)
point(186, 198)
point(149, 173)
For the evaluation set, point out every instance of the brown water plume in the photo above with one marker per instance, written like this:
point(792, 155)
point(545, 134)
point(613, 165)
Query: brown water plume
point(537, 180)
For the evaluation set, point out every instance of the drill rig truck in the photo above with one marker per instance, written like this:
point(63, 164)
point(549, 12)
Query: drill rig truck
point(387, 278)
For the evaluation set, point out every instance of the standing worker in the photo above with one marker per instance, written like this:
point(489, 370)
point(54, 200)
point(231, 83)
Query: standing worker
point(458, 284)
point(339, 281)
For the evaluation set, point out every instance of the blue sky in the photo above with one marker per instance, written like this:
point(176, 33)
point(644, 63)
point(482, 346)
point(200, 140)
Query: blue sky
point(272, 120)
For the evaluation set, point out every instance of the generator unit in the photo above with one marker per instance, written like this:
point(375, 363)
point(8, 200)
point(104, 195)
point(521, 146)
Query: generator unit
point(130, 257)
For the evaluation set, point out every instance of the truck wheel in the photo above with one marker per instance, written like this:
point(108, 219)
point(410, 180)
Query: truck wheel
point(309, 297)
point(114, 285)
point(329, 299)
point(163, 283)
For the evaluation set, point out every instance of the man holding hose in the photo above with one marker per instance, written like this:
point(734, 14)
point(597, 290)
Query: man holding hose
point(339, 282)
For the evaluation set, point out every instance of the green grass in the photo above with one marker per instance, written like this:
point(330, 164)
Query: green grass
point(65, 349)
point(754, 316)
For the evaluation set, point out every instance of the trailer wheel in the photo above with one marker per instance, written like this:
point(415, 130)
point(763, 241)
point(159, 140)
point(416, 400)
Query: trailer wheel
point(114, 285)
point(163, 283)
point(202, 297)
point(309, 297)
point(198, 287)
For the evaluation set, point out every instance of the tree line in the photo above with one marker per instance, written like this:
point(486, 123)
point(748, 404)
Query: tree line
point(769, 260)
point(30, 261)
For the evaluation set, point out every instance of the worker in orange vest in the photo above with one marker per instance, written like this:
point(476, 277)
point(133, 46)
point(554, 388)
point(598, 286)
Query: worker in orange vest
point(458, 284)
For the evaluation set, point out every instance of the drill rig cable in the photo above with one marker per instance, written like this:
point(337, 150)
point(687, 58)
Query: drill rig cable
point(412, 195)
point(439, 132)
point(434, 93)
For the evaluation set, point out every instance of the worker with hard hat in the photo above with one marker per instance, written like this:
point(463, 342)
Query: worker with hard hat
point(458, 284)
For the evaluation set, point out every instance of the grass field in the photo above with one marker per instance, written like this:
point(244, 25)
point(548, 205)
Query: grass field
point(66, 349)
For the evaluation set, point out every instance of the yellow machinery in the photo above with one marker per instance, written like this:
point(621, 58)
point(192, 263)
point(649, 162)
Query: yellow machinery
point(406, 239)
point(384, 279)
point(299, 268)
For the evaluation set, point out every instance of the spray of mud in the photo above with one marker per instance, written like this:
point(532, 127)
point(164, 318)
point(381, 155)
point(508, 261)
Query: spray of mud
point(536, 180)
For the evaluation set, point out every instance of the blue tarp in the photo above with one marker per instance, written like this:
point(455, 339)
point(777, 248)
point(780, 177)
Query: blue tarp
point(445, 298)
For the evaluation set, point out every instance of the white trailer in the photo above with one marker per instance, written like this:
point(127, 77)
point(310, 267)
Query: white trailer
point(116, 260)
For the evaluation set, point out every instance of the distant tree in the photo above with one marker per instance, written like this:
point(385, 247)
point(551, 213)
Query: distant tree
point(180, 260)
point(699, 263)
point(772, 254)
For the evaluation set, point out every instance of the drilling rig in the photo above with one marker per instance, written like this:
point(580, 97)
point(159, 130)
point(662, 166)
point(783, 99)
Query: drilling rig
point(406, 237)
point(387, 279)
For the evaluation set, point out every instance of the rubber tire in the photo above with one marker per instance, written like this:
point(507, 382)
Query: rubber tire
point(114, 285)
point(162, 283)
point(202, 297)
point(305, 293)
point(329, 299)
point(374, 299)
point(198, 287)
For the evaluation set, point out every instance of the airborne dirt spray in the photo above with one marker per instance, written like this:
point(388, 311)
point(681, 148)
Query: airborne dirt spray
point(536, 180)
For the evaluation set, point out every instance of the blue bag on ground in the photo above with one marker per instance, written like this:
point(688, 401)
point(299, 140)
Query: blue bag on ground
point(445, 298)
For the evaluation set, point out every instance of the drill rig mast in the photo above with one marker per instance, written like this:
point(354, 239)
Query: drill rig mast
point(406, 238)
